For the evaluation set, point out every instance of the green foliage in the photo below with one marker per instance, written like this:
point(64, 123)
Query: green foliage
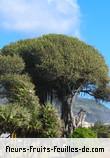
point(60, 62)
point(11, 65)
point(25, 122)
point(54, 62)
point(61, 55)
point(51, 125)
point(103, 131)
point(19, 88)
point(13, 117)
point(84, 133)
point(102, 92)
point(25, 116)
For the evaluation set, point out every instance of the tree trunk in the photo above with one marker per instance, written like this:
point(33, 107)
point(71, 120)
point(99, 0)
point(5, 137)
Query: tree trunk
point(70, 120)
point(67, 114)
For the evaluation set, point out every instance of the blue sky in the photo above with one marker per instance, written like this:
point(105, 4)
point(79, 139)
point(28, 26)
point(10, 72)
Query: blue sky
point(25, 18)
point(95, 27)
point(86, 19)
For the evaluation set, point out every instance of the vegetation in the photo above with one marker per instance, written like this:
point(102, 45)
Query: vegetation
point(84, 133)
point(11, 65)
point(51, 124)
point(57, 65)
point(94, 110)
point(14, 118)
point(26, 122)
point(19, 88)
point(103, 131)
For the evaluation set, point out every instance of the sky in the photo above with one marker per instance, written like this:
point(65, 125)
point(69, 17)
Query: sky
point(95, 27)
point(88, 20)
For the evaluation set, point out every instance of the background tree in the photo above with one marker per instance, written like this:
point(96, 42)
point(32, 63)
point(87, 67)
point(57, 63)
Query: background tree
point(102, 130)
point(64, 65)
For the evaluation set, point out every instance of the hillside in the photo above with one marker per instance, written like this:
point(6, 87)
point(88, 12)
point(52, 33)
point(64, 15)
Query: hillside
point(95, 111)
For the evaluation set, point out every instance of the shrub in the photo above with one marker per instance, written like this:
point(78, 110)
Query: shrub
point(83, 133)
point(13, 117)
point(51, 125)
point(29, 123)
point(103, 131)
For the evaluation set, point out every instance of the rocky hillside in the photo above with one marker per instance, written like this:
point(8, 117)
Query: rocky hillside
point(95, 111)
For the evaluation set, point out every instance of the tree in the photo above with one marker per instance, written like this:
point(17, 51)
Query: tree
point(23, 115)
point(18, 89)
point(22, 108)
point(102, 130)
point(11, 65)
point(63, 65)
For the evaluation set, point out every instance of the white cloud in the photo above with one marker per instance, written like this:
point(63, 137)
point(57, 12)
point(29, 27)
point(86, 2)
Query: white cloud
point(40, 16)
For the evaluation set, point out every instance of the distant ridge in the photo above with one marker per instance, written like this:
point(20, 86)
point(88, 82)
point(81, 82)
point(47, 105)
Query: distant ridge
point(95, 111)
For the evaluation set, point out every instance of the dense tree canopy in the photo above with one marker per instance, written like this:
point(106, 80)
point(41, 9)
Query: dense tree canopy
point(9, 64)
point(18, 88)
point(66, 60)
point(64, 65)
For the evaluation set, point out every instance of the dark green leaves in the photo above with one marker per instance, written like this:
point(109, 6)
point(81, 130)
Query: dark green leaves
point(12, 65)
